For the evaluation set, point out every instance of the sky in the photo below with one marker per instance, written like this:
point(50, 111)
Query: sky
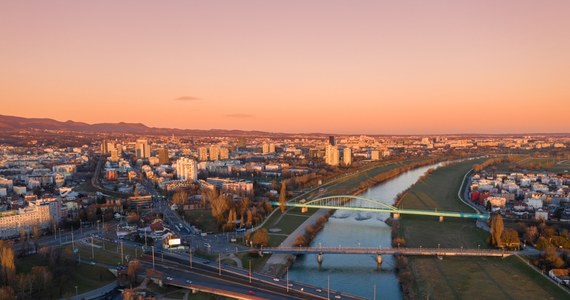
point(362, 67)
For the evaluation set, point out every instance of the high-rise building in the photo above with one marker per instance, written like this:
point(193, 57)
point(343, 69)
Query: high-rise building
point(186, 169)
point(142, 149)
point(268, 148)
point(224, 153)
point(163, 156)
point(375, 155)
point(331, 140)
point(265, 148)
point(214, 152)
point(347, 156)
point(203, 154)
point(114, 155)
point(332, 155)
point(104, 149)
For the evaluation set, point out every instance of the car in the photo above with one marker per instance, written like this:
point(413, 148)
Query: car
point(290, 285)
point(189, 281)
point(92, 263)
point(318, 290)
point(169, 278)
point(302, 289)
point(206, 262)
point(337, 297)
point(251, 292)
point(207, 245)
point(276, 279)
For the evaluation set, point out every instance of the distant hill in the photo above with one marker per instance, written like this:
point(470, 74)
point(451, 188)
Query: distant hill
point(19, 123)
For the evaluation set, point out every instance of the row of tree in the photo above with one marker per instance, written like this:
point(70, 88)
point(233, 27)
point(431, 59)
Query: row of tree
point(41, 281)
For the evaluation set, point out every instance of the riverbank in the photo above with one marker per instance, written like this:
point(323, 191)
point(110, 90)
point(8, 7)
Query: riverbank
point(459, 278)
point(276, 265)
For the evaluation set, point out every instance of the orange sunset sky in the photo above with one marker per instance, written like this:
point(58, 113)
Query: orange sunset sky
point(394, 67)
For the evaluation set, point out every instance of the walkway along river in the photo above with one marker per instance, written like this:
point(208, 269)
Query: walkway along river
point(357, 274)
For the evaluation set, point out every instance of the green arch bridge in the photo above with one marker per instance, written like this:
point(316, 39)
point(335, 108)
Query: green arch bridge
point(346, 202)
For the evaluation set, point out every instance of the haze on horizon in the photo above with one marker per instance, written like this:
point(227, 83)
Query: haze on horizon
point(371, 67)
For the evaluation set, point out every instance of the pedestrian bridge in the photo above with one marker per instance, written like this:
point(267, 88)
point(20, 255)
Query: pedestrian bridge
point(387, 251)
point(347, 202)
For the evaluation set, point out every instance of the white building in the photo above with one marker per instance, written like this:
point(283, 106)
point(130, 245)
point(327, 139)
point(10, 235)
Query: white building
point(332, 155)
point(268, 148)
point(186, 169)
point(41, 212)
point(214, 152)
point(142, 149)
point(347, 156)
point(375, 155)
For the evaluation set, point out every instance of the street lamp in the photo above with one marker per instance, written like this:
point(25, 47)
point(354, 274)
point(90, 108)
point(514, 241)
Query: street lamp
point(76, 291)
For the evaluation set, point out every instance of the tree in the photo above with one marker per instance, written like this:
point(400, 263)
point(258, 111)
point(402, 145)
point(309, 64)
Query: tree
point(132, 270)
point(7, 266)
point(510, 237)
point(219, 205)
point(552, 257)
point(283, 196)
point(261, 237)
point(180, 197)
point(497, 228)
point(7, 292)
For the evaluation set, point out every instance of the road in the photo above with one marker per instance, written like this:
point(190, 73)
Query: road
point(177, 267)
point(389, 251)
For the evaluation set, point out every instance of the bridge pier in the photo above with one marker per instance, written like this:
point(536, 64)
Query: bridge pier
point(304, 209)
point(320, 258)
point(378, 261)
point(396, 216)
point(441, 218)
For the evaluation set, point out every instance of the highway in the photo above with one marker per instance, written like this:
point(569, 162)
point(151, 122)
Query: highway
point(233, 279)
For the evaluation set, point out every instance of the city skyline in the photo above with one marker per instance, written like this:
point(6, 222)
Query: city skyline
point(447, 67)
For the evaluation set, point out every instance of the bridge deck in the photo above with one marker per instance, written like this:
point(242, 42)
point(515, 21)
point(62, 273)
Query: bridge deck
point(393, 251)
point(346, 202)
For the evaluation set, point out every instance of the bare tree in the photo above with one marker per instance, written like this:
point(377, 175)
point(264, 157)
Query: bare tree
point(283, 196)
point(497, 228)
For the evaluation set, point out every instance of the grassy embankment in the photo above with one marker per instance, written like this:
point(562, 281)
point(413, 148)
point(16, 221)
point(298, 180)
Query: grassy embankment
point(461, 278)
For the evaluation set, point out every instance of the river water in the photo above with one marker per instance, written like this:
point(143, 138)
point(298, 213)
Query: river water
point(357, 274)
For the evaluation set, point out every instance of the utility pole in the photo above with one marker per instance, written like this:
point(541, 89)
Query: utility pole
point(328, 286)
point(219, 264)
point(190, 254)
point(122, 252)
point(92, 250)
point(153, 257)
point(72, 240)
point(374, 292)
point(287, 276)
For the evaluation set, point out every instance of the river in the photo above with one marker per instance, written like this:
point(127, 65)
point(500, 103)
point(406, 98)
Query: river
point(357, 274)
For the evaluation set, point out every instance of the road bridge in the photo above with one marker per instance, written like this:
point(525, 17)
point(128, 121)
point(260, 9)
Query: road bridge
point(388, 251)
point(348, 202)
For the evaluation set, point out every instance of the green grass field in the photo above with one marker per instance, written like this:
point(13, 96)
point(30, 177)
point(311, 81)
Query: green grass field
point(85, 277)
point(203, 219)
point(459, 277)
point(108, 253)
point(562, 166)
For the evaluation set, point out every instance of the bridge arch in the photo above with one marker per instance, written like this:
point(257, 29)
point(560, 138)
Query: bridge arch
point(346, 201)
